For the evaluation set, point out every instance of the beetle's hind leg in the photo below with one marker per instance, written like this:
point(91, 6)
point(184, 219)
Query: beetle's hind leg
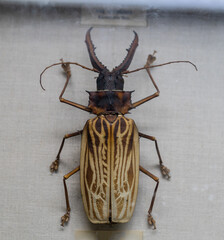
point(66, 216)
point(55, 164)
point(164, 170)
point(151, 220)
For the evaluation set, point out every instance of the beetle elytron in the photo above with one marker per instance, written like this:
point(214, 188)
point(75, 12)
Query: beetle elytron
point(109, 161)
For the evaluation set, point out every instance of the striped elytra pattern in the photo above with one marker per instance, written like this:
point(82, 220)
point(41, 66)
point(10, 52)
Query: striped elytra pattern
point(109, 168)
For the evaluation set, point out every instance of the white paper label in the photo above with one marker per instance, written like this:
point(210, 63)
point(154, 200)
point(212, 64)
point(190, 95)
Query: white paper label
point(115, 17)
point(108, 235)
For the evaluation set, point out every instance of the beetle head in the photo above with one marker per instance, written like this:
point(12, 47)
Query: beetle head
point(110, 80)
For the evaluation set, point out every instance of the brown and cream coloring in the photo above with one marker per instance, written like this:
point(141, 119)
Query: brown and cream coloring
point(109, 167)
point(109, 161)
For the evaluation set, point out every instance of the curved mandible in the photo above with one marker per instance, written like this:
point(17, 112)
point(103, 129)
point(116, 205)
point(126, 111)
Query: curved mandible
point(91, 49)
point(127, 61)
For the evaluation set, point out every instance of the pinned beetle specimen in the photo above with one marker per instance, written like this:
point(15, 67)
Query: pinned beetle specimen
point(109, 160)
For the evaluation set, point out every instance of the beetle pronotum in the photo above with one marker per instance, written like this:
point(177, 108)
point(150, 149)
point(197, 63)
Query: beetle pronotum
point(109, 160)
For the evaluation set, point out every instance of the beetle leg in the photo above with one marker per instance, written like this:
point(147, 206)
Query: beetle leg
point(66, 216)
point(151, 220)
point(55, 164)
point(151, 59)
point(165, 171)
point(66, 67)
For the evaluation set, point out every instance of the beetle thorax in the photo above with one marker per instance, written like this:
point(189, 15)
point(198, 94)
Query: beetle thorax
point(107, 101)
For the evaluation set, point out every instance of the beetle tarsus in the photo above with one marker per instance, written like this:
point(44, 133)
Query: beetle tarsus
point(165, 171)
point(65, 219)
point(151, 221)
point(66, 67)
point(151, 58)
point(54, 165)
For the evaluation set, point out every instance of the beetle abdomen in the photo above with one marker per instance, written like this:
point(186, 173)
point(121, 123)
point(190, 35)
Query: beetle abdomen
point(109, 169)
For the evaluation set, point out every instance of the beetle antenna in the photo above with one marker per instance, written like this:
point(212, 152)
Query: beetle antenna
point(159, 65)
point(72, 63)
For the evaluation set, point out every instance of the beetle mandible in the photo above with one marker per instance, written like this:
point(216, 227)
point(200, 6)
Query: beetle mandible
point(109, 159)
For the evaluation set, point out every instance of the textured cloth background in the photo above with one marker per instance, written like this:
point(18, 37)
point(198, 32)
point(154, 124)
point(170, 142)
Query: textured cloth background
point(187, 119)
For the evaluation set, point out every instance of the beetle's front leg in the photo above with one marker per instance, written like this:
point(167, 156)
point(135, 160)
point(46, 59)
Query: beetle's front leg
point(150, 60)
point(67, 70)
point(55, 164)
point(165, 171)
point(66, 216)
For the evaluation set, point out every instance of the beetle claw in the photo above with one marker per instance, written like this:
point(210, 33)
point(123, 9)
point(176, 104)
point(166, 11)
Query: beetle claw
point(165, 171)
point(65, 219)
point(151, 221)
point(54, 165)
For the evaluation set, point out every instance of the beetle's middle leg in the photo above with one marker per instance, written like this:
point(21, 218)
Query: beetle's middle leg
point(54, 165)
point(150, 218)
point(66, 216)
point(165, 171)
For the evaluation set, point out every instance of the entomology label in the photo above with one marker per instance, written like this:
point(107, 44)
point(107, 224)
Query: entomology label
point(115, 17)
point(108, 235)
